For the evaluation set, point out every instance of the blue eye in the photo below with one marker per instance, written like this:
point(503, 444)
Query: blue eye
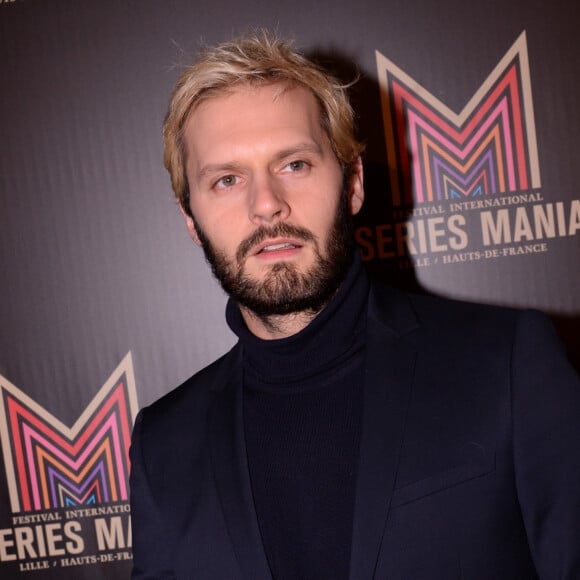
point(226, 181)
point(297, 165)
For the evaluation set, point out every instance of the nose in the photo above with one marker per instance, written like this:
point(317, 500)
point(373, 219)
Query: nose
point(267, 201)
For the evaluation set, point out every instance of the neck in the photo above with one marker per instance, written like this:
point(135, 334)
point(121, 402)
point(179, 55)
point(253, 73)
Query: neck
point(277, 326)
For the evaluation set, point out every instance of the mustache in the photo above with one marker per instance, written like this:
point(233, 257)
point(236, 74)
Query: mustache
point(279, 230)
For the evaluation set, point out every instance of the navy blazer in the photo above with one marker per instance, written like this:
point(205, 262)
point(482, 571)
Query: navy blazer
point(469, 463)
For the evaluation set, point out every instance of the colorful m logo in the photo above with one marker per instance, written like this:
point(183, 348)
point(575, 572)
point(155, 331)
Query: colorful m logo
point(488, 148)
point(49, 465)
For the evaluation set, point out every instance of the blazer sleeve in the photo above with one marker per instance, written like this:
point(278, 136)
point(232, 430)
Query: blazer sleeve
point(151, 554)
point(546, 446)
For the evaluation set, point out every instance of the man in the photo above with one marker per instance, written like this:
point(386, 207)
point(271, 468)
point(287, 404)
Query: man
point(336, 440)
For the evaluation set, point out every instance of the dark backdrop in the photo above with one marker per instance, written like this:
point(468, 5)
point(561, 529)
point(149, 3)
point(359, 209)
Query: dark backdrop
point(94, 257)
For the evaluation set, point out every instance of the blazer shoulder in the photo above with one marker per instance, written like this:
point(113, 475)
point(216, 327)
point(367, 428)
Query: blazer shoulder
point(455, 324)
point(192, 397)
point(407, 311)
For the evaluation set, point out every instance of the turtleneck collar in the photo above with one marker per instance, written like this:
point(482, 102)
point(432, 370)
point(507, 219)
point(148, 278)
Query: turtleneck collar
point(336, 332)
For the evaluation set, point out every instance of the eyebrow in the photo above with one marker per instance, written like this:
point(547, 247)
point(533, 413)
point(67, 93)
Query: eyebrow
point(217, 168)
point(301, 148)
point(310, 147)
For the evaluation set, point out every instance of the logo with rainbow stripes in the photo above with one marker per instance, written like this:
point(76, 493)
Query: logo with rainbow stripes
point(50, 465)
point(489, 148)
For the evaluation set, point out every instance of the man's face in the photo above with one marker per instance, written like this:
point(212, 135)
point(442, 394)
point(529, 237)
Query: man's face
point(271, 208)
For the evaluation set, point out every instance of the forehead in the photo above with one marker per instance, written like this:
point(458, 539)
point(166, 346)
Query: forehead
point(272, 115)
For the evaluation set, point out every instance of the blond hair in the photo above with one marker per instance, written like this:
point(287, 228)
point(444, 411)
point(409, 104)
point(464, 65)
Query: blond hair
point(256, 59)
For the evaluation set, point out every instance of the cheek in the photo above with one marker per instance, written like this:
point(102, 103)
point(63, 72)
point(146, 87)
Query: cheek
point(323, 213)
point(225, 233)
point(212, 219)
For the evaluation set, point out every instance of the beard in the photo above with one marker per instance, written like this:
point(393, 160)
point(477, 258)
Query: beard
point(285, 289)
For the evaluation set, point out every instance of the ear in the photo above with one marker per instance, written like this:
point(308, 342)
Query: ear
point(190, 225)
point(356, 188)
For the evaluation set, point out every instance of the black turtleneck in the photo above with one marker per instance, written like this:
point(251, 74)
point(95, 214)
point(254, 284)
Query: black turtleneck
point(302, 421)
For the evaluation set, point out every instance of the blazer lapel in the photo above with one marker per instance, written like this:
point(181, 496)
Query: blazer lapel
point(229, 460)
point(389, 376)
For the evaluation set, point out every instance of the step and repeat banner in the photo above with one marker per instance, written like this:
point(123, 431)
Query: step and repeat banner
point(470, 113)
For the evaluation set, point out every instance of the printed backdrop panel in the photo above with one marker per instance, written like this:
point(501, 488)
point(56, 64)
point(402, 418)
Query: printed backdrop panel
point(470, 113)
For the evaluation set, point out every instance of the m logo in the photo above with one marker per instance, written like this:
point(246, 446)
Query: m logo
point(488, 148)
point(49, 465)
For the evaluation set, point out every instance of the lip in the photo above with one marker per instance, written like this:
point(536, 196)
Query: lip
point(285, 245)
